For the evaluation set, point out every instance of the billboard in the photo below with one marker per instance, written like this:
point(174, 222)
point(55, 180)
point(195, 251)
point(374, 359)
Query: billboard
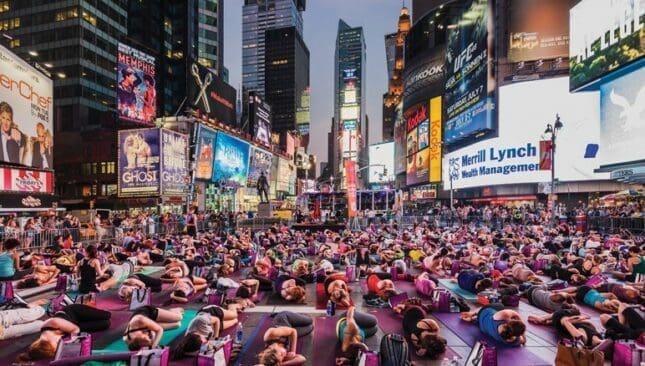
point(26, 113)
point(417, 125)
point(138, 163)
point(283, 175)
point(468, 103)
point(349, 143)
point(231, 164)
point(349, 112)
point(382, 154)
point(206, 140)
point(211, 95)
point(135, 92)
point(174, 163)
point(622, 118)
point(538, 29)
point(25, 180)
point(514, 156)
point(436, 141)
point(605, 36)
point(260, 112)
point(350, 184)
point(418, 165)
point(400, 151)
point(260, 163)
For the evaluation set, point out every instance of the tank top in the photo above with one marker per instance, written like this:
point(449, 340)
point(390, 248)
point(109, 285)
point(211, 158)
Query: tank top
point(490, 326)
point(6, 265)
point(640, 267)
point(88, 277)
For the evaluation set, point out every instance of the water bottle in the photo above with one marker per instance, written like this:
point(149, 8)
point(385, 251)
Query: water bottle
point(445, 362)
point(453, 307)
point(239, 333)
point(331, 308)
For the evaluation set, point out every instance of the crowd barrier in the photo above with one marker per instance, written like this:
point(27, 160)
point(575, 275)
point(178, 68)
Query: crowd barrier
point(613, 225)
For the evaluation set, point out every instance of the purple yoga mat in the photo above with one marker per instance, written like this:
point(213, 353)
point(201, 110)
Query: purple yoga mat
point(252, 346)
point(546, 333)
point(390, 322)
point(111, 303)
point(326, 345)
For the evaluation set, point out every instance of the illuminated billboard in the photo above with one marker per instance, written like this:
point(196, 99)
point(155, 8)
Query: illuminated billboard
point(26, 180)
point(138, 163)
point(606, 35)
point(622, 119)
point(436, 141)
point(349, 143)
point(468, 98)
point(174, 163)
point(26, 113)
point(538, 29)
point(349, 112)
point(206, 140)
point(260, 113)
point(231, 161)
point(514, 156)
point(418, 167)
point(416, 120)
point(260, 163)
point(351, 124)
point(381, 162)
point(136, 93)
point(208, 93)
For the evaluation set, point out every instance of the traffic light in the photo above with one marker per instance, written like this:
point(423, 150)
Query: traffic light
point(385, 172)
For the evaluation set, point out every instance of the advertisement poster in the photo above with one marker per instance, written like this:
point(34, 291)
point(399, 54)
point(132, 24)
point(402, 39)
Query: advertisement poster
point(174, 163)
point(605, 36)
point(136, 93)
point(416, 120)
point(138, 162)
point(283, 175)
point(350, 183)
point(423, 135)
point(26, 113)
point(209, 94)
point(514, 156)
point(231, 161)
point(261, 113)
point(436, 140)
point(400, 151)
point(421, 164)
point(467, 103)
point(381, 162)
point(413, 145)
point(260, 163)
point(538, 29)
point(27, 181)
point(622, 119)
point(206, 140)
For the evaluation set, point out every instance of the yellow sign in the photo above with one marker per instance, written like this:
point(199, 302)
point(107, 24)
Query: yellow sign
point(435, 140)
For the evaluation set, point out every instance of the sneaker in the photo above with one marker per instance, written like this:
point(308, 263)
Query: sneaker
point(377, 303)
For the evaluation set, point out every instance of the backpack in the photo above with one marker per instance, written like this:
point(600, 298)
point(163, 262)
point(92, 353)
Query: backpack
point(394, 350)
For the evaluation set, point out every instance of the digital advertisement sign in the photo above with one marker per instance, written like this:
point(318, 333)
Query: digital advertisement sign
point(416, 119)
point(260, 163)
point(468, 103)
point(283, 175)
point(208, 93)
point(231, 164)
point(206, 140)
point(418, 167)
point(349, 144)
point(622, 119)
point(514, 156)
point(538, 29)
point(606, 35)
point(174, 163)
point(139, 162)
point(260, 112)
point(381, 162)
point(26, 113)
point(436, 141)
point(26, 181)
point(136, 93)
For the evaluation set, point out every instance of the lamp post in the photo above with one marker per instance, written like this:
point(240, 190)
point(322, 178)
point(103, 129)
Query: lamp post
point(553, 131)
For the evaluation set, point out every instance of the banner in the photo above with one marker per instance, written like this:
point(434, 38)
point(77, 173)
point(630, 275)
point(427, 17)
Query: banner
point(174, 163)
point(231, 164)
point(538, 29)
point(467, 103)
point(260, 163)
point(136, 93)
point(24, 180)
point(436, 141)
point(138, 163)
point(206, 139)
point(350, 184)
point(546, 154)
point(26, 113)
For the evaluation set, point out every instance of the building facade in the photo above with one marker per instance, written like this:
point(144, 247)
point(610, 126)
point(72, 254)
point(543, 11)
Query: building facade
point(394, 51)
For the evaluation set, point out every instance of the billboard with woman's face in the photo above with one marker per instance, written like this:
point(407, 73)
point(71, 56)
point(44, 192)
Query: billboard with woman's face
point(139, 163)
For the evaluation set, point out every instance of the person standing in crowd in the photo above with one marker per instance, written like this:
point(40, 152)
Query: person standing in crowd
point(191, 223)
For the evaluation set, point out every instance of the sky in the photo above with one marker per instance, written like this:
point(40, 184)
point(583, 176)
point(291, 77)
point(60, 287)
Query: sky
point(377, 17)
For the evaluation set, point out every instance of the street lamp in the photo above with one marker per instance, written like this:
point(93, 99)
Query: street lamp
point(553, 131)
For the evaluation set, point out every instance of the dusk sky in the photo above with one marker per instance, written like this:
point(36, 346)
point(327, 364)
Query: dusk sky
point(377, 17)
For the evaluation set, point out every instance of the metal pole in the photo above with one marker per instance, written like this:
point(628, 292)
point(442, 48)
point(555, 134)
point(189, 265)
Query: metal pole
point(451, 200)
point(552, 196)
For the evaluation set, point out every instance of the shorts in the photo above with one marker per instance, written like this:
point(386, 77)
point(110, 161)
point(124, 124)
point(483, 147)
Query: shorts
point(148, 311)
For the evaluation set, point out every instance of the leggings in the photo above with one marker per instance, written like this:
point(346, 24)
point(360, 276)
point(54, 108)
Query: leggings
point(265, 283)
point(87, 318)
point(303, 324)
point(19, 322)
point(635, 325)
point(154, 284)
point(367, 322)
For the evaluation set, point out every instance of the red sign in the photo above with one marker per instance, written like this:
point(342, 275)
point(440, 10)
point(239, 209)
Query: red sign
point(414, 116)
point(24, 180)
point(546, 154)
point(350, 184)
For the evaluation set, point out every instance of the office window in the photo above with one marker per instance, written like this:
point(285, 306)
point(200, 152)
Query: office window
point(89, 18)
point(14, 43)
point(4, 6)
point(8, 24)
point(65, 14)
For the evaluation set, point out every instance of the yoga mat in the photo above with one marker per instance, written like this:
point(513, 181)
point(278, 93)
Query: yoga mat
point(326, 345)
point(168, 335)
point(254, 343)
point(148, 270)
point(546, 333)
point(118, 323)
point(454, 288)
point(390, 322)
point(593, 314)
point(321, 298)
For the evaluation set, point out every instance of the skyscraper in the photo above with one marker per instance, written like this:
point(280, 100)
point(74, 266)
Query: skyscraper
point(349, 93)
point(394, 48)
point(257, 17)
point(286, 75)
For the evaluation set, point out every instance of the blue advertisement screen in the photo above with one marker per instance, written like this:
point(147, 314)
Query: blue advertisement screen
point(231, 164)
point(138, 162)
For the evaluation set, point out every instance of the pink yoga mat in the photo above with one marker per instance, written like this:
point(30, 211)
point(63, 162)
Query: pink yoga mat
point(326, 345)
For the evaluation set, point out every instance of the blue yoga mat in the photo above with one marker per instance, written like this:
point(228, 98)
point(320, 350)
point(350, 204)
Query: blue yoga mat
point(454, 288)
point(168, 335)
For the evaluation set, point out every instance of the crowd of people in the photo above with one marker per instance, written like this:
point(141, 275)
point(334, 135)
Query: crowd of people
point(558, 270)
